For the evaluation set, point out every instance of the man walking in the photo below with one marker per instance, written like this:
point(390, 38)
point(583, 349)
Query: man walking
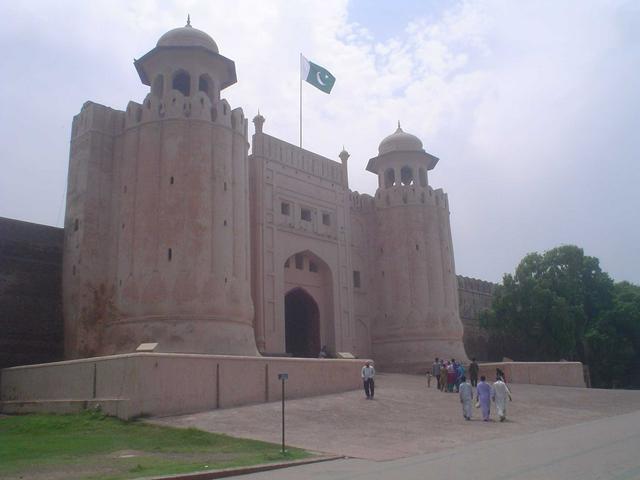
point(501, 392)
point(368, 372)
point(435, 371)
point(485, 392)
point(473, 372)
point(466, 397)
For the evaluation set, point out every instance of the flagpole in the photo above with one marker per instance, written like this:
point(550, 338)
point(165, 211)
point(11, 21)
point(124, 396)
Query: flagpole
point(301, 100)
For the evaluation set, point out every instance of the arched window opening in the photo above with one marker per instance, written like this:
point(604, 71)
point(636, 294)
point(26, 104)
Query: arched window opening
point(204, 85)
point(406, 176)
point(157, 88)
point(389, 178)
point(423, 177)
point(182, 83)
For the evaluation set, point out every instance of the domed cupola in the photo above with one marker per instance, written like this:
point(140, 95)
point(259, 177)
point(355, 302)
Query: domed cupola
point(187, 36)
point(400, 141)
point(187, 60)
point(401, 161)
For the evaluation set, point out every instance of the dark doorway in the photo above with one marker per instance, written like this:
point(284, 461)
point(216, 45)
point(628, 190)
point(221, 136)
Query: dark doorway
point(301, 320)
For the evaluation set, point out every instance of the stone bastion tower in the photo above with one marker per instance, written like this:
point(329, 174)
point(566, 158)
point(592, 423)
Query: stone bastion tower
point(157, 220)
point(418, 315)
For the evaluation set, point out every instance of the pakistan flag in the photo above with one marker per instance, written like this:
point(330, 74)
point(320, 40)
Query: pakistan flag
point(316, 75)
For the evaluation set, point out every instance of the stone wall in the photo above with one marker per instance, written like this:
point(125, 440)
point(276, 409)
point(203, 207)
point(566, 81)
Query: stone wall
point(139, 384)
point(474, 297)
point(30, 293)
point(31, 307)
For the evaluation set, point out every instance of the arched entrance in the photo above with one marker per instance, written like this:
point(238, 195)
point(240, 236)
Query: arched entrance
point(302, 325)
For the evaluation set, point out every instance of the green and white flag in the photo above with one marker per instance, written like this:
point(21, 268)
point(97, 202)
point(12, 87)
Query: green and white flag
point(316, 75)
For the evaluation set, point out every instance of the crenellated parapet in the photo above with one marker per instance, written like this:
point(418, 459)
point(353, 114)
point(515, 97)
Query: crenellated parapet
point(291, 155)
point(475, 285)
point(96, 117)
point(175, 105)
point(362, 202)
point(411, 195)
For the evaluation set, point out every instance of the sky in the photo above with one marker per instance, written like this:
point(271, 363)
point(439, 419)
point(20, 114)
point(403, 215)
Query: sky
point(533, 107)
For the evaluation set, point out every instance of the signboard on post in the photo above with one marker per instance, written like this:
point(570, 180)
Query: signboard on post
point(283, 377)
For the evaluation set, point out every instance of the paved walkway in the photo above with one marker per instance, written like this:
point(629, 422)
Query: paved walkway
point(407, 419)
point(604, 449)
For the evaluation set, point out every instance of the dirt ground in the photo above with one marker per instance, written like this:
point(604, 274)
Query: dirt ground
point(407, 418)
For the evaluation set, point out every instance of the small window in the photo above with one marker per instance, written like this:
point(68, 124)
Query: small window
point(171, 181)
point(305, 214)
point(76, 225)
point(299, 262)
point(313, 267)
point(286, 263)
point(169, 254)
point(182, 83)
point(285, 208)
point(406, 176)
point(356, 279)
point(326, 219)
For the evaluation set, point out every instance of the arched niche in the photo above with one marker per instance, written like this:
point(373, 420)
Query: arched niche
point(308, 272)
point(207, 86)
point(389, 177)
point(182, 82)
point(406, 175)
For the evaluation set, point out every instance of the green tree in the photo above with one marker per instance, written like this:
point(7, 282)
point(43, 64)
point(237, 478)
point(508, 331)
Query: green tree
point(543, 311)
point(614, 341)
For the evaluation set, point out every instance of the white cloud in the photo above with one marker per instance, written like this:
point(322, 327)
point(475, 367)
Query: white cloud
point(529, 105)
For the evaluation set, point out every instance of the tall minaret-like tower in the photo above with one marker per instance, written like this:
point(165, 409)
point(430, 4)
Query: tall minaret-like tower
point(157, 240)
point(418, 315)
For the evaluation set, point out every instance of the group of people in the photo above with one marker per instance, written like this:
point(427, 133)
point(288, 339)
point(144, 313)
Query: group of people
point(451, 378)
point(449, 374)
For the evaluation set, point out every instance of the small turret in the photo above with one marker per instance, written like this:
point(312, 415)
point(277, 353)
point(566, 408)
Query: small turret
point(401, 160)
point(187, 60)
point(258, 121)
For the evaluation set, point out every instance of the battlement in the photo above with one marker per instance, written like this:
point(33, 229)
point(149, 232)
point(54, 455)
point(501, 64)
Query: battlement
point(196, 107)
point(411, 195)
point(283, 152)
point(476, 285)
point(96, 117)
point(362, 201)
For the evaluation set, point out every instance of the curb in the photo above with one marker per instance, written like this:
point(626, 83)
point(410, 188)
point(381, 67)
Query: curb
point(232, 472)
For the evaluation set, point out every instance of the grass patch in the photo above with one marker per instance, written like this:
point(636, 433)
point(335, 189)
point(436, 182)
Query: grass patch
point(93, 446)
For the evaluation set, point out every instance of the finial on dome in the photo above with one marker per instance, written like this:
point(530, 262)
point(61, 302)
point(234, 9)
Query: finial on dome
point(258, 121)
point(188, 20)
point(399, 127)
point(344, 155)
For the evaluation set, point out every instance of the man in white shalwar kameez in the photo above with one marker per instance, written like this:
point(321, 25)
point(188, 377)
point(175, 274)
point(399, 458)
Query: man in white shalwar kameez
point(501, 393)
point(466, 397)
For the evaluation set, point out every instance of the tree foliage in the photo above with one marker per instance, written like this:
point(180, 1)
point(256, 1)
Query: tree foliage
point(561, 305)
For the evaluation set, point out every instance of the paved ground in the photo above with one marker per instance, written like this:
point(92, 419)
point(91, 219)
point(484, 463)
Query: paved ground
point(407, 419)
point(606, 448)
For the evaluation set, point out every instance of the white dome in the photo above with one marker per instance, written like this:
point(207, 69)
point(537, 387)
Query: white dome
point(187, 37)
point(400, 141)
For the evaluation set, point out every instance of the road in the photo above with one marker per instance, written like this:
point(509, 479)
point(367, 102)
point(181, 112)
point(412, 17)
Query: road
point(607, 448)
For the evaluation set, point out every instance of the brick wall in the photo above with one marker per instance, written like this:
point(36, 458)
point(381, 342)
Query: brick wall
point(30, 293)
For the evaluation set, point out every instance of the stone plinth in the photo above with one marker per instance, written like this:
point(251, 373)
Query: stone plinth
point(564, 374)
point(133, 385)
